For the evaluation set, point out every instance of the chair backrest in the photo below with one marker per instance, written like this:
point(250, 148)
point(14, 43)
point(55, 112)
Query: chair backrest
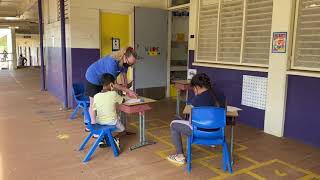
point(87, 118)
point(208, 122)
point(77, 90)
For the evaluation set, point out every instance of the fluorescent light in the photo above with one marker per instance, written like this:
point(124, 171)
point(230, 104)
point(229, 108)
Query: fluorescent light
point(11, 18)
point(17, 27)
point(313, 5)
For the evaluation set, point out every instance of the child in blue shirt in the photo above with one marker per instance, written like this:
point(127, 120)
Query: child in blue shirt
point(205, 95)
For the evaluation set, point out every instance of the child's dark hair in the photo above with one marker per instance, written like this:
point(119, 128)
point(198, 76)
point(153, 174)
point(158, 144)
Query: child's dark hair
point(203, 80)
point(106, 79)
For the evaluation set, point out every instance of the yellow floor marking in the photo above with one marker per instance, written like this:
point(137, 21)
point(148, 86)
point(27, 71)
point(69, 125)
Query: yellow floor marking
point(241, 147)
point(255, 175)
point(294, 167)
point(279, 173)
point(247, 158)
point(201, 161)
point(63, 136)
point(255, 166)
point(207, 165)
point(310, 176)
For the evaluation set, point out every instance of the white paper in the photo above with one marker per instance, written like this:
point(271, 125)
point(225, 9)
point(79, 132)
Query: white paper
point(132, 101)
point(233, 109)
point(254, 91)
point(191, 73)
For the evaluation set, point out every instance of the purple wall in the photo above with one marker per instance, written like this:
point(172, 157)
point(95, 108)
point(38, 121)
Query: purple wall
point(303, 97)
point(81, 60)
point(230, 83)
point(78, 60)
point(54, 71)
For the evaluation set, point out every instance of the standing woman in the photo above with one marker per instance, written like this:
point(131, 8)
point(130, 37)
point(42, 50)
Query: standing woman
point(116, 63)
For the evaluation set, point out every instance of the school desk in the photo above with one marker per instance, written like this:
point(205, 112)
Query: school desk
point(141, 108)
point(181, 85)
point(232, 114)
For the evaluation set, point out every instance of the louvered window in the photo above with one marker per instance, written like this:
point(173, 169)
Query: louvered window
point(230, 33)
point(234, 31)
point(258, 31)
point(307, 39)
point(66, 9)
point(207, 34)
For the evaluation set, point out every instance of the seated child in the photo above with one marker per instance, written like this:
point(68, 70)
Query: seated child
point(205, 95)
point(105, 106)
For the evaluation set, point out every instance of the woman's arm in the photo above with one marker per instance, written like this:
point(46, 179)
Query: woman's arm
point(129, 92)
point(124, 79)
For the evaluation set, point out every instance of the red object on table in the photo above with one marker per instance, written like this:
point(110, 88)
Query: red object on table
point(134, 109)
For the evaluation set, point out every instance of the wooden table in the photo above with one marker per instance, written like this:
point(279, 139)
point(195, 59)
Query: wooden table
point(181, 85)
point(141, 108)
point(232, 114)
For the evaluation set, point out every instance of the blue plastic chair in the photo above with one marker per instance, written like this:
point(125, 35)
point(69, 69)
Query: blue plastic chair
point(78, 93)
point(104, 131)
point(208, 125)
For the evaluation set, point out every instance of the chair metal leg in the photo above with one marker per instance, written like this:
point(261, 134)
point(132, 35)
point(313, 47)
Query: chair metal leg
point(224, 158)
point(85, 141)
point(113, 145)
point(93, 148)
point(225, 148)
point(74, 113)
point(189, 154)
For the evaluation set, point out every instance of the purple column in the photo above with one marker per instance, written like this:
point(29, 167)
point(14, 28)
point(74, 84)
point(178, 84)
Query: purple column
point(43, 75)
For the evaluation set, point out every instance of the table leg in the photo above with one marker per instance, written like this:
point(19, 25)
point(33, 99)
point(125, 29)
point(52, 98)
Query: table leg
point(231, 141)
point(143, 141)
point(124, 121)
point(178, 105)
point(140, 127)
point(143, 126)
point(187, 94)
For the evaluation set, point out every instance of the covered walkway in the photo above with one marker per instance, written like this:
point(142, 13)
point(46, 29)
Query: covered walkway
point(37, 142)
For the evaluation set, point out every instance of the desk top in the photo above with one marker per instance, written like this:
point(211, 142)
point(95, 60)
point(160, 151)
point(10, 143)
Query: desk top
point(231, 111)
point(184, 82)
point(145, 101)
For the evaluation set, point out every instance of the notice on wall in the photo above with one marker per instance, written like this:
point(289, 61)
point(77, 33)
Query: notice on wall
point(152, 51)
point(279, 42)
point(115, 44)
point(191, 73)
point(254, 91)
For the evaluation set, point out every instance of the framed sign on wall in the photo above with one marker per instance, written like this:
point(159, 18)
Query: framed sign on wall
point(279, 42)
point(115, 44)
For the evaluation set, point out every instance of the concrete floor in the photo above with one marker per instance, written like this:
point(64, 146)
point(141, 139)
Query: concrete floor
point(38, 143)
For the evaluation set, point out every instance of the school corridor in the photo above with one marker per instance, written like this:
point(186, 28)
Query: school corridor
point(38, 142)
point(245, 72)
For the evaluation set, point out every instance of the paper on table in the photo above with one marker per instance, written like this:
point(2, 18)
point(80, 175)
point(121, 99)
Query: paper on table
point(132, 101)
point(233, 109)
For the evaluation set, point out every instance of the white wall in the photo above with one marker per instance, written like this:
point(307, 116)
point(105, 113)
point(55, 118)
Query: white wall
point(33, 43)
point(278, 65)
point(84, 18)
point(85, 28)
point(10, 48)
point(52, 30)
